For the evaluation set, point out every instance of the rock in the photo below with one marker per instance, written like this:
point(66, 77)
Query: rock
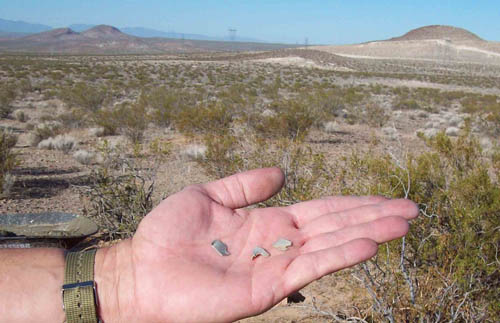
point(268, 113)
point(96, 132)
point(84, 157)
point(429, 124)
point(331, 126)
point(431, 132)
point(455, 121)
point(195, 152)
point(486, 144)
point(452, 131)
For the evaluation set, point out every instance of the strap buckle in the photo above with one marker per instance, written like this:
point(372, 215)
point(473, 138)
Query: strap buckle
point(78, 285)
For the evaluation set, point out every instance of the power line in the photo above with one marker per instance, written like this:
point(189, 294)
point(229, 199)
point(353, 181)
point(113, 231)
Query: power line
point(232, 34)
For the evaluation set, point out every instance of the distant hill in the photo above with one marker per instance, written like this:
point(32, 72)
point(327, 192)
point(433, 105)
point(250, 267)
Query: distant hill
point(21, 27)
point(106, 32)
point(429, 43)
point(438, 32)
point(80, 27)
point(103, 39)
point(59, 34)
point(5, 35)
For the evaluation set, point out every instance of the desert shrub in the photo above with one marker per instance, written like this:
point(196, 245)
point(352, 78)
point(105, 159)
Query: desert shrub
point(74, 118)
point(374, 115)
point(166, 104)
point(107, 120)
point(221, 156)
point(480, 103)
point(407, 104)
point(212, 118)
point(487, 108)
point(7, 95)
point(82, 95)
point(330, 104)
point(160, 147)
point(8, 160)
point(292, 119)
point(306, 172)
point(20, 116)
point(84, 157)
point(491, 123)
point(44, 131)
point(371, 114)
point(119, 195)
point(61, 142)
point(447, 267)
point(132, 119)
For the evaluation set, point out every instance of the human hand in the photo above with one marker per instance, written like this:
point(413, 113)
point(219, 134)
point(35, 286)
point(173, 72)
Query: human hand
point(170, 272)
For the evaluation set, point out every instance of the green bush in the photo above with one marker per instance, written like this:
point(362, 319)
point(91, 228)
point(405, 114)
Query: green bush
point(409, 104)
point(213, 118)
point(132, 119)
point(222, 158)
point(74, 118)
point(447, 266)
point(7, 95)
point(166, 104)
point(8, 161)
point(108, 119)
point(307, 174)
point(90, 98)
point(292, 119)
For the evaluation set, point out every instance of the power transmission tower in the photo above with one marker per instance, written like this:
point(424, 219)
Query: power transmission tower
point(306, 42)
point(232, 34)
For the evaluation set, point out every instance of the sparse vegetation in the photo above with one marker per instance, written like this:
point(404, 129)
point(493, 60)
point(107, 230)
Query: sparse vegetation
point(218, 113)
point(7, 95)
point(119, 195)
point(45, 131)
point(61, 142)
point(8, 161)
point(447, 267)
point(82, 95)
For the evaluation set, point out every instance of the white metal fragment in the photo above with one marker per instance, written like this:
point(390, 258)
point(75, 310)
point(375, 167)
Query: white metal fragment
point(259, 251)
point(282, 244)
point(220, 247)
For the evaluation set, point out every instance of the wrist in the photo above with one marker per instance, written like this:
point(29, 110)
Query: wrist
point(30, 285)
point(113, 278)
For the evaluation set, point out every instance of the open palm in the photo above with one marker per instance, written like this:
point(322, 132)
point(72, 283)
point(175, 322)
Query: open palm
point(175, 274)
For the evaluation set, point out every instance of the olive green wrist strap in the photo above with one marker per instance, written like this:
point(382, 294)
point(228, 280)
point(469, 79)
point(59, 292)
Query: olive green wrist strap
point(79, 293)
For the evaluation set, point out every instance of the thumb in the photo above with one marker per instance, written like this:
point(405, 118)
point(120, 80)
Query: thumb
point(243, 189)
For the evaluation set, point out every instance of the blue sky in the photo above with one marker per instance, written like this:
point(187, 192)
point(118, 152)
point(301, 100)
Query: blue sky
point(325, 22)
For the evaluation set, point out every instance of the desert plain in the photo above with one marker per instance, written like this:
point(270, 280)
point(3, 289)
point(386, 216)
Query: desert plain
point(189, 113)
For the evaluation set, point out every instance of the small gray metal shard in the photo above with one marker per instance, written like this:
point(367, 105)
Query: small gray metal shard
point(258, 251)
point(220, 247)
point(282, 244)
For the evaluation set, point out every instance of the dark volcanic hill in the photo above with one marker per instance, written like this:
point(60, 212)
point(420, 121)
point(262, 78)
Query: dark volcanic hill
point(438, 32)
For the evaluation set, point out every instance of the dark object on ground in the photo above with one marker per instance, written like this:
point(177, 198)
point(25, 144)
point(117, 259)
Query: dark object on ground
point(296, 297)
point(51, 229)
